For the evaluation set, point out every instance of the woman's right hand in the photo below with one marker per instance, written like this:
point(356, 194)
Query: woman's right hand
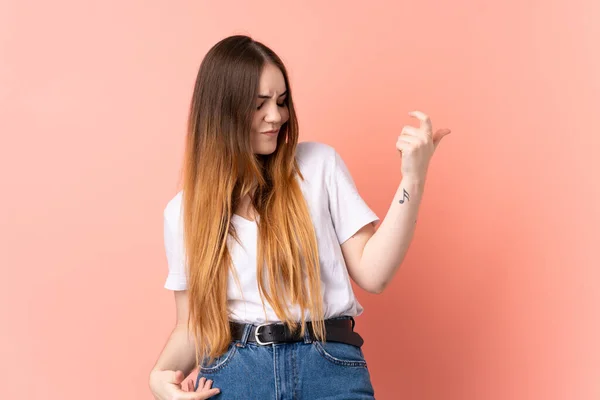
point(166, 385)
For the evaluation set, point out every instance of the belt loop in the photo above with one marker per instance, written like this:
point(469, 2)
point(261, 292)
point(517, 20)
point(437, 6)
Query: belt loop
point(353, 322)
point(307, 338)
point(245, 335)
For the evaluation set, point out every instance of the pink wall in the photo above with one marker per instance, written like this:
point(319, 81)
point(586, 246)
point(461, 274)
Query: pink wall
point(498, 297)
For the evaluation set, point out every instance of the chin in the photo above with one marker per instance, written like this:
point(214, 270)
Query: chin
point(265, 150)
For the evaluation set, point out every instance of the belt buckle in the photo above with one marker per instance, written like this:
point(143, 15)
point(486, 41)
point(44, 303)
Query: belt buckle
point(257, 333)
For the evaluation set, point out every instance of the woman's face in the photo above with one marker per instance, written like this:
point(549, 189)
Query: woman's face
point(271, 110)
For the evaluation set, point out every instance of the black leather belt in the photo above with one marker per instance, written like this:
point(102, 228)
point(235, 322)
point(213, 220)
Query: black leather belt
point(337, 330)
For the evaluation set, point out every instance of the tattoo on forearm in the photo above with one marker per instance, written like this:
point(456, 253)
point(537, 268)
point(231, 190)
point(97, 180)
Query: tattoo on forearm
point(405, 196)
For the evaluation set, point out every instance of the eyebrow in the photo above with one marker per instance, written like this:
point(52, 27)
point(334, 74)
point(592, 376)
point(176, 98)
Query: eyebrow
point(266, 96)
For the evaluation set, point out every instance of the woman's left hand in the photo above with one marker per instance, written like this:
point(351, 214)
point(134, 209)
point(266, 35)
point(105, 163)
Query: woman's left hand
point(417, 146)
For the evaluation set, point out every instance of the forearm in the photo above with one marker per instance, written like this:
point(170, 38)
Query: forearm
point(179, 352)
point(388, 246)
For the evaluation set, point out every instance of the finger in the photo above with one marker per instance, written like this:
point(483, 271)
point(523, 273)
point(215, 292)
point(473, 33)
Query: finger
point(439, 134)
point(208, 384)
point(410, 139)
point(201, 382)
point(404, 147)
point(208, 394)
point(190, 386)
point(411, 131)
point(196, 395)
point(424, 120)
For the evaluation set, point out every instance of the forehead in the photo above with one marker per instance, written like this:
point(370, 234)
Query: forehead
point(271, 81)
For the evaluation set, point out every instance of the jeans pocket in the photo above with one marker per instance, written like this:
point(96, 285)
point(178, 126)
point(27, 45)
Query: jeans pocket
point(341, 353)
point(218, 363)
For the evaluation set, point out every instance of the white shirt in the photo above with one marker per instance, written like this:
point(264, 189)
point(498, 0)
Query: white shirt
point(337, 211)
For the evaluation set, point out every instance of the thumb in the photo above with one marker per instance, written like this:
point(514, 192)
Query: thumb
point(176, 377)
point(439, 134)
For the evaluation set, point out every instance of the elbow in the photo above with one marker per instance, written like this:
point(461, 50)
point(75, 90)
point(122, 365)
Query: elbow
point(375, 288)
point(378, 290)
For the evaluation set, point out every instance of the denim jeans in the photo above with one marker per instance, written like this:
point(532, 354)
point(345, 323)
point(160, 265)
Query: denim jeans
point(295, 371)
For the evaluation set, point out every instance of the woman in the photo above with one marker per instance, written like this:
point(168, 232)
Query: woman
point(263, 217)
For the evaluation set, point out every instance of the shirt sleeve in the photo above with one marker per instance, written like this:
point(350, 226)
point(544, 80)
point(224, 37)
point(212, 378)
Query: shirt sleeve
point(173, 241)
point(349, 211)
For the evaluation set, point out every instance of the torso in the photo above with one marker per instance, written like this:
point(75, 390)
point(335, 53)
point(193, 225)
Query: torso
point(329, 213)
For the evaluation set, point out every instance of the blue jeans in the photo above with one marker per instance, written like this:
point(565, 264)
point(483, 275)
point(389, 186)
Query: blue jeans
point(294, 371)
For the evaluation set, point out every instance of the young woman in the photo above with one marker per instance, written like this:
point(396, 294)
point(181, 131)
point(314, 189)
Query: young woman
point(264, 237)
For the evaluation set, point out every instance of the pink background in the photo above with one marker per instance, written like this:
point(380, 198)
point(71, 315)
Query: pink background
point(498, 297)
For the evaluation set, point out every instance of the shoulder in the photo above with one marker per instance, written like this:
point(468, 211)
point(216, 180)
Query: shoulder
point(172, 210)
point(315, 155)
point(314, 148)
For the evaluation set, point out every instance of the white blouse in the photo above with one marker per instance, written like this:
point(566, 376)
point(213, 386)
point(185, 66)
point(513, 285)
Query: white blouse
point(337, 211)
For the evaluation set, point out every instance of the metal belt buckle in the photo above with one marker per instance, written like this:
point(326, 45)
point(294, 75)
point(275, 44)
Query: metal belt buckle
point(257, 333)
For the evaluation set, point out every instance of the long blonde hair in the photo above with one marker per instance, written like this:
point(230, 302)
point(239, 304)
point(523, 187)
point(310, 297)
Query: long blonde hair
point(219, 169)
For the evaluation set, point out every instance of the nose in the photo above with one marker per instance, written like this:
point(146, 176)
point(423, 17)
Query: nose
point(273, 115)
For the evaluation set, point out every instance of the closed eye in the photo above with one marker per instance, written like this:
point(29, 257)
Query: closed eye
point(283, 104)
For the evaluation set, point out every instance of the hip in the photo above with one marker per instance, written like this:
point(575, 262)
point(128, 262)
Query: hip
point(306, 369)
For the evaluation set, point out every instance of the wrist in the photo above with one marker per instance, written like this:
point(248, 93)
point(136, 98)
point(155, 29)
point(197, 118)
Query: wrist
point(413, 181)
